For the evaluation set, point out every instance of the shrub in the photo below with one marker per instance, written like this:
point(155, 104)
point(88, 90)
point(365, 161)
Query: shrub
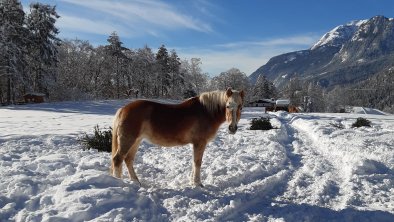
point(100, 140)
point(261, 123)
point(361, 122)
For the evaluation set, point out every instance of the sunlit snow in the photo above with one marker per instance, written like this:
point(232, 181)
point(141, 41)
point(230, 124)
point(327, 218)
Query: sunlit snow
point(305, 170)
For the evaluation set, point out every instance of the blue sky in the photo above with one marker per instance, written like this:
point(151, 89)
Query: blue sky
point(243, 34)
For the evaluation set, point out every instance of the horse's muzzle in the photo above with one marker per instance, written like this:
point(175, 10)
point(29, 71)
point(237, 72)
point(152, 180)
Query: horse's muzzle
point(232, 129)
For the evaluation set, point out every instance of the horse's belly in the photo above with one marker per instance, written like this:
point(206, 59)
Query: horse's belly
point(167, 142)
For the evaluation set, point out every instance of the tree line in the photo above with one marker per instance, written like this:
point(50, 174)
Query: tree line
point(34, 59)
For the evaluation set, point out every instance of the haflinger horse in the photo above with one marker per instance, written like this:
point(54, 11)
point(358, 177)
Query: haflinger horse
point(195, 121)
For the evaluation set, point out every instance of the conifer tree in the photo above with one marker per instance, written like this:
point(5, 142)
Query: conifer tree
point(12, 50)
point(42, 50)
point(163, 75)
point(115, 51)
point(176, 77)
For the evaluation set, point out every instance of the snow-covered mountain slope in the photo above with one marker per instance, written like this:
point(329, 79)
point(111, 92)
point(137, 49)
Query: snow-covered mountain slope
point(305, 170)
point(339, 35)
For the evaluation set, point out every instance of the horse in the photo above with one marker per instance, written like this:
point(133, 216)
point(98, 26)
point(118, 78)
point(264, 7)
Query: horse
point(293, 109)
point(195, 120)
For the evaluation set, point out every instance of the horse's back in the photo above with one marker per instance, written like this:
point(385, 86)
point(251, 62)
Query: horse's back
point(161, 112)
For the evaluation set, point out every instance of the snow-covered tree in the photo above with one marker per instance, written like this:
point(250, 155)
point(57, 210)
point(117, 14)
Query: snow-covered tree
point(263, 89)
point(177, 79)
point(314, 99)
point(144, 63)
point(115, 51)
point(42, 48)
point(233, 78)
point(12, 50)
point(294, 91)
point(76, 75)
point(196, 80)
point(163, 68)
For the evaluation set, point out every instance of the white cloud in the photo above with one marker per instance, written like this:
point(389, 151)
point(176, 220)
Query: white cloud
point(302, 40)
point(145, 15)
point(67, 22)
point(247, 56)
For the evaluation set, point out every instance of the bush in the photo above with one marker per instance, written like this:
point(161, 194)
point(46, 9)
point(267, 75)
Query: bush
point(261, 123)
point(361, 122)
point(100, 140)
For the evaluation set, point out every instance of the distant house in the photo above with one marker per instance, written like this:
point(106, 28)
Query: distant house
point(34, 97)
point(274, 105)
point(262, 103)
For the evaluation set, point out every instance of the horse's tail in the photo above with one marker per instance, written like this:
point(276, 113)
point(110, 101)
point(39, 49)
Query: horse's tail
point(114, 138)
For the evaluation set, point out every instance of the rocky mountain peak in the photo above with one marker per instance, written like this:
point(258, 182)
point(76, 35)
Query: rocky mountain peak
point(339, 35)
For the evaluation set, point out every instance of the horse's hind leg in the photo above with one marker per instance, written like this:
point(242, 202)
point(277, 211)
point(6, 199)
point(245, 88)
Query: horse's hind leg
point(124, 145)
point(129, 160)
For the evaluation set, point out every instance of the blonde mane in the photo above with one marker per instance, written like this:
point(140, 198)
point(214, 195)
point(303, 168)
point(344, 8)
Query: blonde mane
point(213, 101)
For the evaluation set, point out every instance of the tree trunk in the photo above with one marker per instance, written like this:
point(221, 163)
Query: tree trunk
point(9, 88)
point(117, 77)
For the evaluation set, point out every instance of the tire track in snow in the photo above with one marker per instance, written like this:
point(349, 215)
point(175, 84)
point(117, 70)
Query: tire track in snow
point(317, 180)
point(259, 196)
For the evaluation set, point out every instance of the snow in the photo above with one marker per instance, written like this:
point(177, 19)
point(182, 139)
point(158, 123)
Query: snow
point(305, 170)
point(290, 58)
point(339, 35)
point(344, 56)
point(365, 110)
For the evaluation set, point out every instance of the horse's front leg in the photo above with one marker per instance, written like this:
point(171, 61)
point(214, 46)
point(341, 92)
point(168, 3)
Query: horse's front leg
point(198, 152)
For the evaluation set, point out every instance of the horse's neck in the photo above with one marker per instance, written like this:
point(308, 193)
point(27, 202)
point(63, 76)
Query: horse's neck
point(219, 113)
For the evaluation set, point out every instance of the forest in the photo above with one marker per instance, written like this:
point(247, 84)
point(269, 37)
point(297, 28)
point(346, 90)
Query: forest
point(35, 60)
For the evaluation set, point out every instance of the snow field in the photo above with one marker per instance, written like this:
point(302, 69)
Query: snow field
point(305, 170)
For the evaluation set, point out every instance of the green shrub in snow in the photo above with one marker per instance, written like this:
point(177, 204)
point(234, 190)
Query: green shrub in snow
point(101, 140)
point(361, 122)
point(261, 123)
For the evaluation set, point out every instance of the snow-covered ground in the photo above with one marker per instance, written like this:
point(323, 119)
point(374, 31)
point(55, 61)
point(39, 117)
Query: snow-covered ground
point(306, 170)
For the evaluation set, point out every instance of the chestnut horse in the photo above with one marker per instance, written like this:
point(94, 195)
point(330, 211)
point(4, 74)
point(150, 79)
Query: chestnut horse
point(194, 121)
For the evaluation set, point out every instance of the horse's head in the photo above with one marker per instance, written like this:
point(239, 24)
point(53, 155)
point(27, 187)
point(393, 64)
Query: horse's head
point(234, 103)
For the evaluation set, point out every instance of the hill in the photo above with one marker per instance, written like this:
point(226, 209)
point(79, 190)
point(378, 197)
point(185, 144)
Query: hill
point(346, 55)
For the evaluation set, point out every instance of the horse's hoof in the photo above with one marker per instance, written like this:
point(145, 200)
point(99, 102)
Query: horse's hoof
point(198, 185)
point(136, 181)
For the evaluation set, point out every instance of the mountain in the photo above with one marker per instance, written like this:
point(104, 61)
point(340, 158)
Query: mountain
point(346, 55)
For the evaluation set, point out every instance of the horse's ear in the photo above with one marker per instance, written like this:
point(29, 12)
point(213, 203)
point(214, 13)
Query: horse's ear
point(242, 93)
point(229, 92)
